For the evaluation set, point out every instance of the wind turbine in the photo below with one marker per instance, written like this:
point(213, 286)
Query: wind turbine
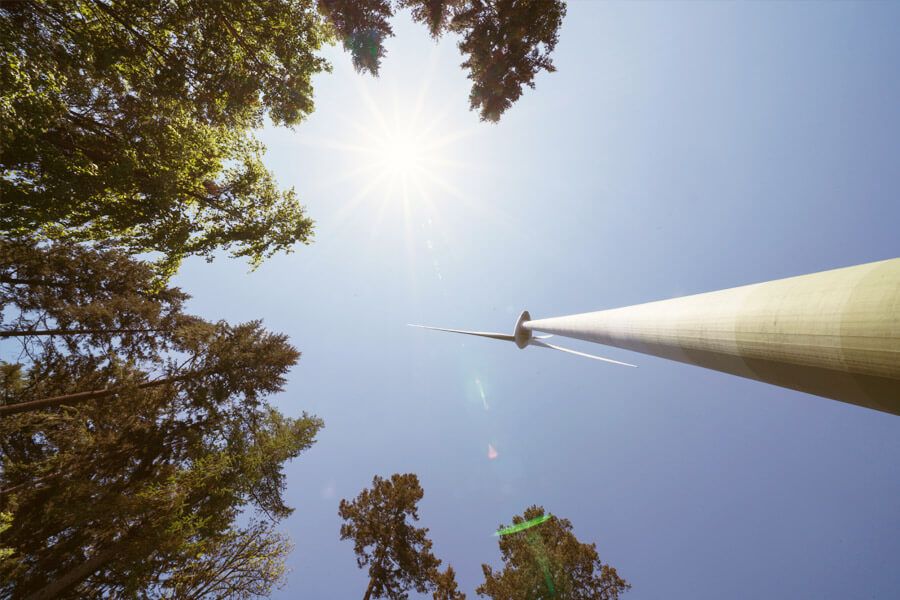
point(834, 334)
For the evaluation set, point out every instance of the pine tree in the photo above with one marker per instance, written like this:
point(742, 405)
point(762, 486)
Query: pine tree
point(547, 561)
point(445, 586)
point(381, 523)
point(118, 457)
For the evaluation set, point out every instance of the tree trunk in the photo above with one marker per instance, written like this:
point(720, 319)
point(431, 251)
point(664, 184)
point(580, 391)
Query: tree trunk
point(369, 589)
point(17, 281)
point(78, 397)
point(78, 574)
point(26, 484)
point(38, 332)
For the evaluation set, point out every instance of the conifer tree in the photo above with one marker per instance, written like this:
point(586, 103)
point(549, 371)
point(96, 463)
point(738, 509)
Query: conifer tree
point(120, 459)
point(445, 586)
point(381, 523)
point(547, 561)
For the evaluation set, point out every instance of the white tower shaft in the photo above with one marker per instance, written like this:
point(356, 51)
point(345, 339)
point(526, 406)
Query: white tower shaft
point(834, 334)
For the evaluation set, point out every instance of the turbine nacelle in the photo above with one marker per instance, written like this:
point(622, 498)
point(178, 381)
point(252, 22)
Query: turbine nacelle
point(523, 337)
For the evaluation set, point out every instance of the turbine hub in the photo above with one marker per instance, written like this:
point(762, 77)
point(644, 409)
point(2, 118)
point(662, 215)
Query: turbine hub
point(522, 335)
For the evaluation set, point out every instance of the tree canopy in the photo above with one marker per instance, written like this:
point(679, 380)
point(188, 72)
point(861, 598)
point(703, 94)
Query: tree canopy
point(85, 300)
point(548, 561)
point(381, 523)
point(243, 563)
point(506, 43)
point(445, 586)
point(126, 461)
point(130, 122)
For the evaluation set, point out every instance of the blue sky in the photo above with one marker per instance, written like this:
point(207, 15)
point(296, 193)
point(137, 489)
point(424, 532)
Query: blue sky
point(680, 148)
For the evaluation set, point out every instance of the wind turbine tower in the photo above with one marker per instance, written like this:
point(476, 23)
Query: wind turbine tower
point(834, 334)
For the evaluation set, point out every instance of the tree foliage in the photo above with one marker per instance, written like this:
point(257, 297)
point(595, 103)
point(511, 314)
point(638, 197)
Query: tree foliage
point(84, 300)
point(243, 563)
point(381, 523)
point(506, 43)
point(445, 586)
point(363, 27)
point(129, 121)
point(119, 492)
point(548, 561)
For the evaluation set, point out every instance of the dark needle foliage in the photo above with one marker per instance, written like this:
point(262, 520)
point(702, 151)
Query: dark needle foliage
point(125, 492)
point(381, 523)
point(445, 586)
point(549, 550)
point(506, 43)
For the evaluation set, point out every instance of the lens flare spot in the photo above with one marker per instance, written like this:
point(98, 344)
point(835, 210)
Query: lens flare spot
point(492, 452)
point(481, 393)
point(328, 492)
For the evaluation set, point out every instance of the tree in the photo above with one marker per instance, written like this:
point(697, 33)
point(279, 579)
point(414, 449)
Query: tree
point(85, 300)
point(131, 122)
point(116, 490)
point(239, 564)
point(445, 586)
point(106, 497)
point(548, 561)
point(434, 14)
point(507, 43)
point(5, 522)
point(120, 521)
point(380, 521)
point(362, 25)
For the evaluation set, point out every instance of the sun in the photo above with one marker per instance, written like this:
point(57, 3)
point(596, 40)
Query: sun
point(403, 153)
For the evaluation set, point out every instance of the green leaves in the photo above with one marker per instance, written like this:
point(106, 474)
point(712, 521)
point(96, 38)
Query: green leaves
point(130, 123)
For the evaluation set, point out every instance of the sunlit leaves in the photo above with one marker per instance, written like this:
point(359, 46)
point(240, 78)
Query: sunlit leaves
point(129, 122)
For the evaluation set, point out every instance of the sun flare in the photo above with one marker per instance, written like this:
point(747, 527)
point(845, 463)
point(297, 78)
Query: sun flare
point(402, 152)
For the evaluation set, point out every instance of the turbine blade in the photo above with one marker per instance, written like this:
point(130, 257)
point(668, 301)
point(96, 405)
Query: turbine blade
point(496, 336)
point(534, 342)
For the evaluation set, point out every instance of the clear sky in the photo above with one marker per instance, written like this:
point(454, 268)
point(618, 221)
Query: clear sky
point(680, 148)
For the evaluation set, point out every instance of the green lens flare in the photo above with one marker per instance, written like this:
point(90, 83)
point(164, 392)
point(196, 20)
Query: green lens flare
point(523, 526)
point(548, 580)
point(540, 554)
